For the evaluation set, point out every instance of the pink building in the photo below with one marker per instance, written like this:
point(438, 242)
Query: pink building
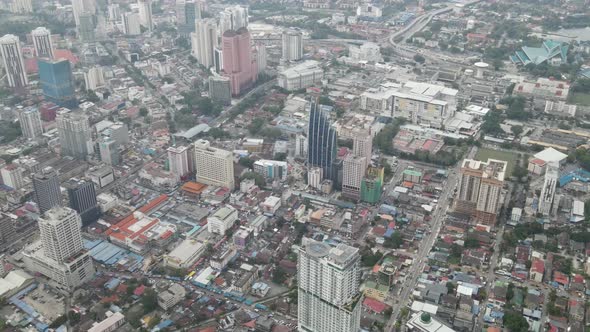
point(238, 64)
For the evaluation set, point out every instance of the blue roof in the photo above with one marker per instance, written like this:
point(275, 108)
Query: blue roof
point(537, 55)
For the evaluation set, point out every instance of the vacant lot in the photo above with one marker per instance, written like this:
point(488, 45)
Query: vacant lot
point(484, 154)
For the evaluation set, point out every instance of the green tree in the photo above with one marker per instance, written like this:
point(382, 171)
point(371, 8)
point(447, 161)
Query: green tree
point(143, 111)
point(516, 130)
point(515, 322)
point(256, 125)
point(258, 178)
point(149, 300)
point(395, 241)
point(279, 276)
point(419, 58)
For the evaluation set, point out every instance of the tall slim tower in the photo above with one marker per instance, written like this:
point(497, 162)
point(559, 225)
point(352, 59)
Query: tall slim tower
point(233, 18)
point(46, 189)
point(321, 141)
point(86, 27)
point(43, 43)
point(549, 186)
point(82, 198)
point(292, 45)
point(362, 145)
point(57, 82)
point(82, 6)
point(237, 60)
point(187, 12)
point(131, 24)
point(30, 123)
point(145, 14)
point(74, 134)
point(328, 287)
point(179, 161)
point(204, 41)
point(14, 64)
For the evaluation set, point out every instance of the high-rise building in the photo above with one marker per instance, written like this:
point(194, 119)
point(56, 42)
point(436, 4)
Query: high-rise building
point(214, 166)
point(12, 176)
point(321, 141)
point(271, 169)
point(57, 82)
point(145, 14)
point(301, 146)
point(30, 123)
point(204, 41)
point(220, 89)
point(218, 59)
point(82, 6)
point(21, 6)
point(362, 144)
point(372, 185)
point(479, 189)
point(233, 18)
point(237, 60)
point(114, 12)
point(109, 151)
point(292, 41)
point(131, 24)
point(94, 78)
point(354, 171)
point(74, 134)
point(86, 31)
point(178, 161)
point(187, 12)
point(46, 189)
point(82, 198)
point(328, 281)
point(60, 254)
point(14, 64)
point(549, 186)
point(261, 57)
point(43, 43)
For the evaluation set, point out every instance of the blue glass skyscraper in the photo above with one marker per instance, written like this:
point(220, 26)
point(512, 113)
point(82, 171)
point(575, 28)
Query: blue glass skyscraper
point(57, 82)
point(321, 138)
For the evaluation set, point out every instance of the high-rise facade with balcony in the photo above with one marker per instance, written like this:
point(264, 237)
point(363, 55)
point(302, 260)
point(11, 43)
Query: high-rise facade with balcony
point(238, 64)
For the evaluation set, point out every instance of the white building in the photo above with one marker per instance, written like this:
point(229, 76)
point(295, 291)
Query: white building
point(204, 41)
point(12, 176)
point(12, 59)
point(109, 324)
point(368, 10)
point(353, 169)
point(301, 146)
point(145, 14)
point(21, 6)
point(261, 57)
point(549, 186)
point(43, 43)
point(222, 220)
point(301, 76)
point(271, 205)
point(271, 169)
point(80, 7)
point(171, 296)
point(233, 18)
point(178, 161)
point(328, 281)
point(378, 101)
point(187, 253)
point(131, 24)
point(424, 322)
point(365, 52)
point(30, 123)
point(214, 166)
point(94, 78)
point(114, 12)
point(315, 177)
point(560, 108)
point(292, 42)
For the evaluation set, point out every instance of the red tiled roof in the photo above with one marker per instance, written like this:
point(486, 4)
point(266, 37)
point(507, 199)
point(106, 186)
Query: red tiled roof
point(139, 290)
point(374, 305)
point(538, 266)
point(560, 278)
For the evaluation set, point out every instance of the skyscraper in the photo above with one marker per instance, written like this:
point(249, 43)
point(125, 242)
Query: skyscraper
point(57, 82)
point(261, 58)
point(82, 198)
point(74, 134)
point(549, 186)
point(145, 14)
point(109, 151)
point(114, 12)
point(131, 24)
point(233, 18)
point(204, 41)
point(220, 89)
point(328, 280)
point(178, 160)
point(214, 166)
point(321, 140)
point(14, 64)
point(187, 12)
point(43, 43)
point(237, 60)
point(86, 27)
point(479, 189)
point(60, 254)
point(30, 123)
point(292, 41)
point(362, 144)
point(82, 6)
point(12, 176)
point(46, 189)
point(94, 78)
point(354, 170)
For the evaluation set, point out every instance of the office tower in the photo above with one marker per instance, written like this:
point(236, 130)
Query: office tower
point(204, 41)
point(94, 78)
point(131, 24)
point(321, 141)
point(292, 45)
point(549, 186)
point(237, 60)
point(60, 254)
point(178, 161)
point(74, 134)
point(114, 12)
point(220, 90)
point(80, 7)
point(214, 166)
point(328, 281)
point(187, 12)
point(57, 82)
point(218, 59)
point(109, 151)
point(43, 43)
point(233, 18)
point(479, 189)
point(353, 172)
point(30, 123)
point(12, 176)
point(145, 14)
point(362, 145)
point(21, 6)
point(46, 189)
point(261, 58)
point(14, 64)
point(86, 27)
point(301, 146)
point(82, 198)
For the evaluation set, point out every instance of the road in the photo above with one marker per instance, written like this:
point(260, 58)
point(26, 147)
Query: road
point(426, 244)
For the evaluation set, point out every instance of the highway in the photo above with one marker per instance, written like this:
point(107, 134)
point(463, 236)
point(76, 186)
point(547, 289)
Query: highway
point(426, 245)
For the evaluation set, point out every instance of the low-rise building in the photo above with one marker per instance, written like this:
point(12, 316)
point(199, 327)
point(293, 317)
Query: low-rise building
point(270, 205)
point(301, 76)
point(222, 220)
point(187, 252)
point(109, 324)
point(171, 296)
